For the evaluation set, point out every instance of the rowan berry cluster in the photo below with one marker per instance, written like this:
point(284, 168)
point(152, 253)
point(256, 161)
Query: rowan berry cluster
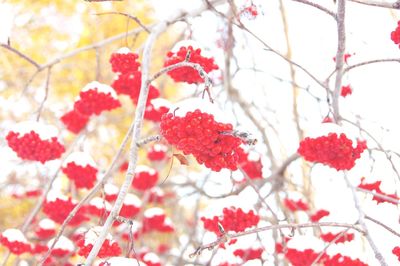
point(46, 229)
point(318, 215)
point(250, 166)
point(93, 99)
point(332, 150)
point(233, 219)
point(31, 147)
point(82, 176)
point(108, 249)
point(59, 208)
point(15, 241)
point(74, 121)
point(395, 35)
point(124, 61)
point(129, 78)
point(188, 74)
point(345, 237)
point(345, 91)
point(156, 220)
point(93, 102)
point(376, 187)
point(295, 205)
point(157, 152)
point(145, 178)
point(248, 254)
point(396, 251)
point(199, 134)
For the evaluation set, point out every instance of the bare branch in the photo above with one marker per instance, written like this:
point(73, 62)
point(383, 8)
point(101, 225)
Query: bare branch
point(395, 5)
point(330, 13)
point(23, 56)
point(136, 19)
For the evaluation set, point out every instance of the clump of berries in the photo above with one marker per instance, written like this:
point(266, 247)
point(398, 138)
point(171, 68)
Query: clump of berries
point(344, 237)
point(59, 208)
point(248, 254)
point(295, 205)
point(145, 178)
point(395, 35)
point(199, 134)
point(345, 91)
point(332, 150)
point(93, 101)
point(250, 165)
point(232, 219)
point(188, 74)
point(30, 146)
point(82, 176)
point(129, 78)
point(74, 121)
point(376, 188)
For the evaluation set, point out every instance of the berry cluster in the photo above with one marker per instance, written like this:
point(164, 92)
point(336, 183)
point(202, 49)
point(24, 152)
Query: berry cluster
point(233, 219)
point(124, 61)
point(346, 90)
point(97, 207)
point(46, 229)
point(345, 237)
point(248, 254)
point(129, 78)
point(62, 248)
point(332, 150)
point(93, 102)
point(31, 147)
point(395, 35)
point(15, 241)
point(145, 178)
point(157, 152)
point(396, 251)
point(58, 210)
point(129, 84)
point(250, 11)
point(188, 74)
point(155, 220)
point(319, 215)
point(252, 167)
point(82, 176)
point(74, 121)
point(94, 98)
point(199, 134)
point(156, 109)
point(108, 249)
point(376, 187)
point(295, 205)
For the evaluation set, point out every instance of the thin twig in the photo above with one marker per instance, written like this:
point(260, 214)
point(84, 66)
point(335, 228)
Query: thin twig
point(329, 12)
point(46, 94)
point(395, 5)
point(23, 56)
point(382, 225)
point(273, 227)
point(129, 16)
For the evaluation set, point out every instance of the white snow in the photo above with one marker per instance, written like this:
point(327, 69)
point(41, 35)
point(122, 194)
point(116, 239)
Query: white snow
point(204, 105)
point(146, 169)
point(45, 132)
point(151, 257)
point(54, 195)
point(302, 242)
point(153, 212)
point(253, 156)
point(124, 50)
point(100, 203)
point(110, 189)
point(160, 147)
point(47, 224)
point(80, 158)
point(100, 88)
point(132, 200)
point(63, 243)
point(14, 235)
point(160, 102)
